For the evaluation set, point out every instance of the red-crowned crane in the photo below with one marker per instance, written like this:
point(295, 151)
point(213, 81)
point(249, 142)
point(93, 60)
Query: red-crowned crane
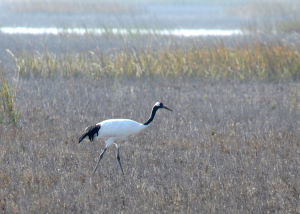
point(117, 129)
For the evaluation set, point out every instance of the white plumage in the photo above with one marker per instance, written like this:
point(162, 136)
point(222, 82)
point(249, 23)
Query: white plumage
point(117, 129)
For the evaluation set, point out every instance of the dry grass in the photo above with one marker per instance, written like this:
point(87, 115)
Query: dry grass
point(226, 148)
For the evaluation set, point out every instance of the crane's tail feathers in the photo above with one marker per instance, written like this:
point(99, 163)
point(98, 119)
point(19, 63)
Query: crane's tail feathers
point(82, 137)
point(91, 132)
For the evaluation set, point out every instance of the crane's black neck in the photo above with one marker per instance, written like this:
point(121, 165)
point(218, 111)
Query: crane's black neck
point(155, 108)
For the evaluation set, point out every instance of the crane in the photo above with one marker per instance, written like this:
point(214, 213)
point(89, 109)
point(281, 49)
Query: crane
point(116, 130)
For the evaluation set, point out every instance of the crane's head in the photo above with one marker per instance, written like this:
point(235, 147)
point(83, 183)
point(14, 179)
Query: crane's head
point(156, 106)
point(161, 105)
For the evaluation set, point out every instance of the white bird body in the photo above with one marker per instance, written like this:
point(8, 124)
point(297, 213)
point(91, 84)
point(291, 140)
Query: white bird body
point(117, 129)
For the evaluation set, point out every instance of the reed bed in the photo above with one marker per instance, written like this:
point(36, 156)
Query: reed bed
point(256, 62)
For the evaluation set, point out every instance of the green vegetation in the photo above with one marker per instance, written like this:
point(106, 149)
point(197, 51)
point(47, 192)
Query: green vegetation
point(260, 62)
point(8, 113)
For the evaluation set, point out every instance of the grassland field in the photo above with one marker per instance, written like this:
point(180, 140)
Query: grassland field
point(231, 145)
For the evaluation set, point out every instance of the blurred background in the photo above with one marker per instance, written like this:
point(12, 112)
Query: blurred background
point(274, 16)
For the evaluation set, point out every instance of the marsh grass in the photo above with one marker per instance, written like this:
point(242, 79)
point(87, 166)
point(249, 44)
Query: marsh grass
point(257, 62)
point(8, 112)
point(228, 146)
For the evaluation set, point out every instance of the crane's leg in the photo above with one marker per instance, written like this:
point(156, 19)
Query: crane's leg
point(108, 143)
point(100, 157)
point(118, 158)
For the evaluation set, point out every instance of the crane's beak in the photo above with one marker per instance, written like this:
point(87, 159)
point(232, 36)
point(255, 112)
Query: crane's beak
point(167, 108)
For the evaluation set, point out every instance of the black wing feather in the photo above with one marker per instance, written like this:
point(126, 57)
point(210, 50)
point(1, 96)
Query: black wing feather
point(90, 132)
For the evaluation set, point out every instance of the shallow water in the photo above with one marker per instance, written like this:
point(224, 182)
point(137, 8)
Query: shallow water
point(179, 32)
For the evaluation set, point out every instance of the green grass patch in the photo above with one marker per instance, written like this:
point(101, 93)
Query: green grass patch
point(8, 113)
